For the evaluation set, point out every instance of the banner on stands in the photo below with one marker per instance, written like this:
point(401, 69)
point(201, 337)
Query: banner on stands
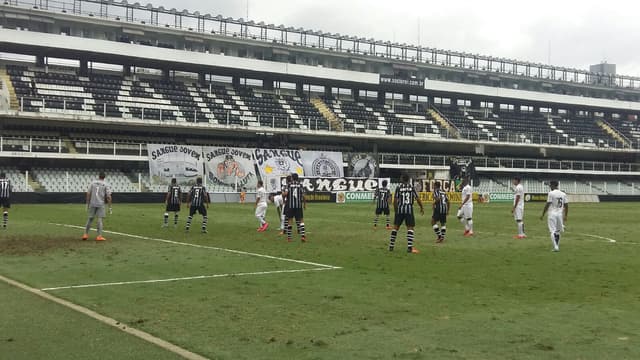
point(182, 162)
point(320, 184)
point(278, 163)
point(322, 164)
point(229, 166)
point(362, 166)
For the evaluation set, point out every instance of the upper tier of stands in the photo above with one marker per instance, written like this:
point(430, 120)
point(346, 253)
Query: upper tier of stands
point(61, 90)
point(529, 128)
point(374, 118)
point(148, 98)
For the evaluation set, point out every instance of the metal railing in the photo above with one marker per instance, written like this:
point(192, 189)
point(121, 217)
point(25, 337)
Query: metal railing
point(162, 116)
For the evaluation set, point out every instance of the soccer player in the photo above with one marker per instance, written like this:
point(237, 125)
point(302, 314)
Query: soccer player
point(261, 206)
point(98, 195)
point(381, 198)
point(518, 207)
point(403, 201)
point(172, 203)
point(558, 207)
point(5, 199)
point(296, 202)
point(278, 201)
point(198, 201)
point(440, 212)
point(465, 212)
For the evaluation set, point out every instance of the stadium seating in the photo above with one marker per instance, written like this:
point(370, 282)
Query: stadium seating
point(62, 91)
point(382, 119)
point(17, 179)
point(528, 128)
point(77, 180)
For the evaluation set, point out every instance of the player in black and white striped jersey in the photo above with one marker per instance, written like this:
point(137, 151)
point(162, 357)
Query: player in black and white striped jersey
point(295, 203)
point(198, 201)
point(5, 199)
point(382, 197)
point(440, 212)
point(172, 201)
point(403, 200)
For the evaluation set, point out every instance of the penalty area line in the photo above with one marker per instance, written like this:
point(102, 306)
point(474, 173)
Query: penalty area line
point(107, 320)
point(199, 277)
point(207, 247)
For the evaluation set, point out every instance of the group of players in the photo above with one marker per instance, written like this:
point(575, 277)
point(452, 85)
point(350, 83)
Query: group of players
point(290, 204)
point(403, 202)
point(405, 196)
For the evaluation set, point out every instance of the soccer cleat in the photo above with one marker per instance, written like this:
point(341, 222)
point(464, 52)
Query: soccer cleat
point(555, 250)
point(466, 232)
point(469, 234)
point(85, 237)
point(388, 227)
point(204, 231)
point(303, 238)
point(281, 233)
point(414, 251)
point(520, 237)
point(440, 240)
point(165, 225)
point(100, 238)
point(265, 226)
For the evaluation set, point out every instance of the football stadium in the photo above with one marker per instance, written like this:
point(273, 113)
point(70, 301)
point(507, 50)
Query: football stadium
point(156, 163)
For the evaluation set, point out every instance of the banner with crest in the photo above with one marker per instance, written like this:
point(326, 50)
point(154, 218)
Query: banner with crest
point(326, 164)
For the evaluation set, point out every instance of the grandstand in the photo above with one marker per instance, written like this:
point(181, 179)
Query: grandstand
point(73, 105)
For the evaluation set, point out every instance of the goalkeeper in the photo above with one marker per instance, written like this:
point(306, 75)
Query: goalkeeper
point(98, 196)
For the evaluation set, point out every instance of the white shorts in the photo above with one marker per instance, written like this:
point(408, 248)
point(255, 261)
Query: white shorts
point(555, 223)
point(466, 212)
point(261, 210)
point(518, 214)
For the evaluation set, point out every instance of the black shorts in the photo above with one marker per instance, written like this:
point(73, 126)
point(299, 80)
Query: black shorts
point(200, 209)
point(439, 217)
point(294, 213)
point(407, 219)
point(382, 211)
point(5, 203)
point(173, 208)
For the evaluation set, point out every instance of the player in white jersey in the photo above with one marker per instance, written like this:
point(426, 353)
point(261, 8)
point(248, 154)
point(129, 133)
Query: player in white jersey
point(261, 206)
point(98, 195)
point(518, 207)
point(278, 201)
point(465, 211)
point(558, 207)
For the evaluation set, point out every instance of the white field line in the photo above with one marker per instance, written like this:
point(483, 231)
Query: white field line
point(208, 247)
point(184, 278)
point(599, 237)
point(107, 320)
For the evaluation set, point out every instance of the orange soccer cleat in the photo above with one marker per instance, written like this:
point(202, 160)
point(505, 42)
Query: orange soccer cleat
point(415, 251)
point(100, 238)
point(85, 237)
point(303, 238)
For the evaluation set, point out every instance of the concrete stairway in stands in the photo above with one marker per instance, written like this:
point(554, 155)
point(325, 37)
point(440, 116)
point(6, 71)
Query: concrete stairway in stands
point(6, 81)
point(330, 116)
point(444, 123)
point(614, 133)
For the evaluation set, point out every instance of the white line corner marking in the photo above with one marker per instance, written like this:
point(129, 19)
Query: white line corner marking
point(317, 266)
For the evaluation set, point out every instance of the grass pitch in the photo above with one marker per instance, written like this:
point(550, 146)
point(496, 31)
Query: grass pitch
point(487, 297)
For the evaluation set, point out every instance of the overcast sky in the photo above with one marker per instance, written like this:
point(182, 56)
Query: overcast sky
point(569, 33)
